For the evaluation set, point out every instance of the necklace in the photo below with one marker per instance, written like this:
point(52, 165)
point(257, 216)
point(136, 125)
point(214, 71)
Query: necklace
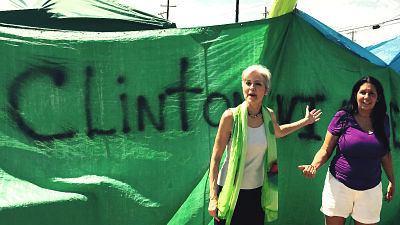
point(254, 116)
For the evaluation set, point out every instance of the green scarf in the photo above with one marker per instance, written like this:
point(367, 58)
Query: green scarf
point(230, 191)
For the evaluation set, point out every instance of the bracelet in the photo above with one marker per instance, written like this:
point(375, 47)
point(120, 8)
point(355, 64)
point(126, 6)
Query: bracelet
point(213, 198)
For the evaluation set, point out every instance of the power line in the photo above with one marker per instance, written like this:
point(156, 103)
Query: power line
point(256, 5)
point(373, 26)
point(352, 32)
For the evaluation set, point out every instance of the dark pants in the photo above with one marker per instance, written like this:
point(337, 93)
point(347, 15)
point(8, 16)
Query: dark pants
point(248, 208)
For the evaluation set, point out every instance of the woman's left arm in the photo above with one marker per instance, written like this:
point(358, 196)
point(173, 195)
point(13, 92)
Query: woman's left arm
point(285, 129)
point(387, 164)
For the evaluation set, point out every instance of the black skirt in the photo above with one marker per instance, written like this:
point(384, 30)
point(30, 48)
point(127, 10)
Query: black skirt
point(248, 208)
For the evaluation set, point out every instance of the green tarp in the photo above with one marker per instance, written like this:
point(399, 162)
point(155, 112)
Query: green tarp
point(79, 15)
point(118, 128)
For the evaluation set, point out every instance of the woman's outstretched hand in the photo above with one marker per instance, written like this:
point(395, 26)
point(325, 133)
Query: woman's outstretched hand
point(390, 192)
point(212, 208)
point(309, 171)
point(312, 116)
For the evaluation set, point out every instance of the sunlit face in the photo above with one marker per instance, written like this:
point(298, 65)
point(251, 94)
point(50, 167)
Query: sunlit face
point(366, 97)
point(253, 85)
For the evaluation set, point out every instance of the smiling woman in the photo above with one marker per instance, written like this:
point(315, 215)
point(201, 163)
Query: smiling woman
point(353, 182)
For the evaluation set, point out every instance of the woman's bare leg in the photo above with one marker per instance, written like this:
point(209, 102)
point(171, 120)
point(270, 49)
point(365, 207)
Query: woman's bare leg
point(334, 220)
point(359, 223)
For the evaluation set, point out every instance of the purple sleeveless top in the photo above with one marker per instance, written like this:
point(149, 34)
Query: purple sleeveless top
point(357, 163)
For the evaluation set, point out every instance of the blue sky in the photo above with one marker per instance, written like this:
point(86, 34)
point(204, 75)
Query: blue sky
point(337, 14)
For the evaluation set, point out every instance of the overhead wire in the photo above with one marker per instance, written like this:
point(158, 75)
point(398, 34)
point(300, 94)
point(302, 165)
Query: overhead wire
point(377, 25)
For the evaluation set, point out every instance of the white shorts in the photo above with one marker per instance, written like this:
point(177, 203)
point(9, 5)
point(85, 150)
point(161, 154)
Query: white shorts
point(340, 200)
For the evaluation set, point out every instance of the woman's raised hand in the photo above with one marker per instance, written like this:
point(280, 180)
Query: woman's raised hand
point(312, 116)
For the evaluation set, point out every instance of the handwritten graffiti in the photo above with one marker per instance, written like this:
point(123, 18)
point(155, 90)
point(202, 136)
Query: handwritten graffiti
point(144, 109)
point(181, 90)
point(155, 118)
point(91, 131)
point(394, 115)
point(58, 75)
point(283, 117)
point(209, 100)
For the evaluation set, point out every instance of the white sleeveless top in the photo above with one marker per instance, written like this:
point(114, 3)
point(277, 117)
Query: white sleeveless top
point(253, 175)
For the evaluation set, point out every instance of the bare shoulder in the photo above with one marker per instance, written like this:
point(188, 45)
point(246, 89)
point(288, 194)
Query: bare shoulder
point(273, 117)
point(271, 112)
point(227, 116)
point(226, 120)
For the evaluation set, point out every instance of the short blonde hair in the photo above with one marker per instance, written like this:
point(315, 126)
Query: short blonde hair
point(261, 70)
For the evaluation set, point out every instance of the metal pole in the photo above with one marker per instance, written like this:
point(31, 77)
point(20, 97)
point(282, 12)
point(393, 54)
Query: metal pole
point(167, 9)
point(265, 13)
point(237, 11)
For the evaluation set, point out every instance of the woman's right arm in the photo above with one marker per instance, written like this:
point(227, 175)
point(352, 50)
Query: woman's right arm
point(221, 140)
point(321, 157)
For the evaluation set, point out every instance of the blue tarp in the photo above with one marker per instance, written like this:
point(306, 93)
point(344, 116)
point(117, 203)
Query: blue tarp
point(384, 54)
point(336, 37)
point(389, 52)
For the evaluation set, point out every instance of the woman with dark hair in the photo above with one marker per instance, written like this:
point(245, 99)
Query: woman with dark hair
point(353, 182)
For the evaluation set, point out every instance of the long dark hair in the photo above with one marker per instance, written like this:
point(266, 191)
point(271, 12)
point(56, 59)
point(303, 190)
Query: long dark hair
point(378, 113)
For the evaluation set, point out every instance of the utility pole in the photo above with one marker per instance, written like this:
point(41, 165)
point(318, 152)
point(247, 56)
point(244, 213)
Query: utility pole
point(237, 11)
point(168, 6)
